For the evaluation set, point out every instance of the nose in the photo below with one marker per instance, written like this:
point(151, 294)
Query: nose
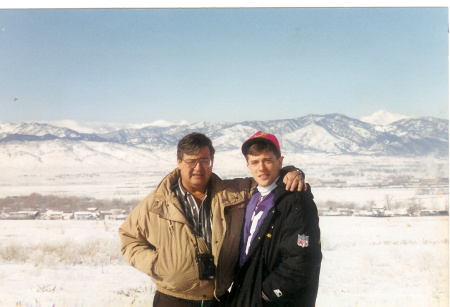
point(198, 166)
point(261, 166)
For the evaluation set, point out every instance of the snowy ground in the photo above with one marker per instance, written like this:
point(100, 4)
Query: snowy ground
point(368, 261)
point(133, 181)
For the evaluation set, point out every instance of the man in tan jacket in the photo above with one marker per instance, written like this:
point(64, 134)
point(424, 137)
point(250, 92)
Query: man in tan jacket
point(186, 233)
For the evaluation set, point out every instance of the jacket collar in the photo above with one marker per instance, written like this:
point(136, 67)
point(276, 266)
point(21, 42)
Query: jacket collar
point(166, 204)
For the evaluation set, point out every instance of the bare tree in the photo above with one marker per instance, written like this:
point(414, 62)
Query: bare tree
point(388, 200)
point(415, 205)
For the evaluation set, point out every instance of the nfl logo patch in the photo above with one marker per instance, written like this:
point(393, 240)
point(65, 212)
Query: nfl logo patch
point(303, 241)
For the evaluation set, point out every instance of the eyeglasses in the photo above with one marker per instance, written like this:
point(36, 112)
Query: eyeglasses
point(204, 162)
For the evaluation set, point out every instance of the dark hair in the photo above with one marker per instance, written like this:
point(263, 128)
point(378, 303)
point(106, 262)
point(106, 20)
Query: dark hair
point(192, 143)
point(259, 147)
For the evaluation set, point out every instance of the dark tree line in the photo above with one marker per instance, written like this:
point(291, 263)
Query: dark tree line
point(40, 202)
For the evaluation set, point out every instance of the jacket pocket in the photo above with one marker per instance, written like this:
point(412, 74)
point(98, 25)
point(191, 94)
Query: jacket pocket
point(176, 268)
point(238, 206)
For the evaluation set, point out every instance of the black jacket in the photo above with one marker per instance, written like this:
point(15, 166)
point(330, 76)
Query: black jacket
point(279, 262)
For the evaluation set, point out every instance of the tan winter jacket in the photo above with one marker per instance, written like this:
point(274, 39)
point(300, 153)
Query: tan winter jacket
point(156, 238)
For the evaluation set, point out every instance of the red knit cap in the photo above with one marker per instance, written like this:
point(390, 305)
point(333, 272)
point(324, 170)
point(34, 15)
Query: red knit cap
point(260, 136)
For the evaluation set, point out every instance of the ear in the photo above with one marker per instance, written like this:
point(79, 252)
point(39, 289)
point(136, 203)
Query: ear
point(179, 163)
point(281, 161)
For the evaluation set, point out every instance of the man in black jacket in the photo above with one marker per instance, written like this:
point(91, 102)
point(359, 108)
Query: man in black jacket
point(280, 251)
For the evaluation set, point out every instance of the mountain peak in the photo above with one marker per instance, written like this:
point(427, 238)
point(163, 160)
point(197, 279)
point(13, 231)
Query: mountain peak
point(382, 118)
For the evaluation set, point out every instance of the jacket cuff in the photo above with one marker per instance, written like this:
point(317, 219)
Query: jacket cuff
point(287, 169)
point(272, 294)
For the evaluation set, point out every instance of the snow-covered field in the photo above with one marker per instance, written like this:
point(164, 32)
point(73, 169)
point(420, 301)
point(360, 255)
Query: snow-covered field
point(368, 261)
point(365, 179)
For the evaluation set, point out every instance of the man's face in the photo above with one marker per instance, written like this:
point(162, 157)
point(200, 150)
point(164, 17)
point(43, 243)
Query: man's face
point(194, 175)
point(265, 167)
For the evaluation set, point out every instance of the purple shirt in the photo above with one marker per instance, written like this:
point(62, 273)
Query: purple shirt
point(253, 220)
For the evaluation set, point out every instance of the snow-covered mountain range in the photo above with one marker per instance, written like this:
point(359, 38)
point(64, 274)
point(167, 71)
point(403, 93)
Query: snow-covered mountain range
point(332, 134)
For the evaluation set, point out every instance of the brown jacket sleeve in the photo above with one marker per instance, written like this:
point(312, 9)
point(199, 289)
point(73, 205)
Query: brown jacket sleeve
point(134, 246)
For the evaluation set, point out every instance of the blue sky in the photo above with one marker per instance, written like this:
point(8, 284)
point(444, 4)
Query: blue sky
point(143, 65)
